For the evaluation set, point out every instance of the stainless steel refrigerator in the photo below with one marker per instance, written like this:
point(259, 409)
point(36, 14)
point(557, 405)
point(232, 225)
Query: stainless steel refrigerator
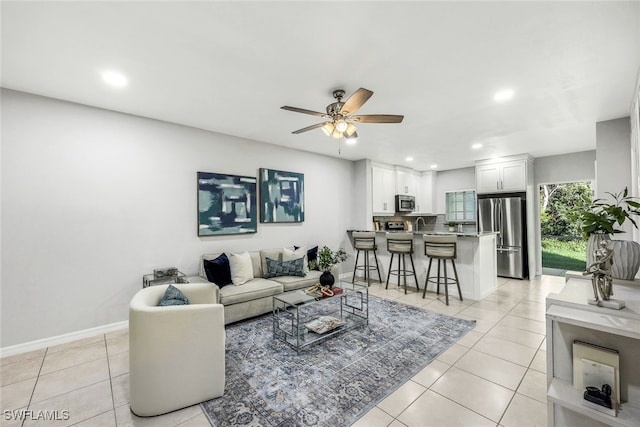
point(507, 217)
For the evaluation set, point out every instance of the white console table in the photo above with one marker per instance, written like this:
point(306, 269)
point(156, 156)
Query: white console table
point(569, 318)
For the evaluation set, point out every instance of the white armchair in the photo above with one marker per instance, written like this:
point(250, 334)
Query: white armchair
point(176, 353)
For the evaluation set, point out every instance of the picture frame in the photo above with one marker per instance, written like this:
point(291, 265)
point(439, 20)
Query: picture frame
point(281, 196)
point(227, 204)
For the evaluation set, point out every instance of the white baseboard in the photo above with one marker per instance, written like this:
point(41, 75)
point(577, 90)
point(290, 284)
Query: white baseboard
point(62, 339)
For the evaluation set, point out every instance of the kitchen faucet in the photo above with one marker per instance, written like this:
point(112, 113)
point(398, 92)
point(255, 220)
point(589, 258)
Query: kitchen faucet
point(423, 223)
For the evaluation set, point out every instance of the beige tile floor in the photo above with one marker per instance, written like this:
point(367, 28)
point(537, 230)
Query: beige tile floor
point(494, 376)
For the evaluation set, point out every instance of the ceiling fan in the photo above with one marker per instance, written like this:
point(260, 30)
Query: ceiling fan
point(341, 115)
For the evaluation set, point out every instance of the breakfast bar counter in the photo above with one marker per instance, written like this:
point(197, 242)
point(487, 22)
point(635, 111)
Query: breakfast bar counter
point(475, 262)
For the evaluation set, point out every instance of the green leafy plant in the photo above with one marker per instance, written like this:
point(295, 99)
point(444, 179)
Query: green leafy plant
point(599, 217)
point(328, 258)
point(451, 224)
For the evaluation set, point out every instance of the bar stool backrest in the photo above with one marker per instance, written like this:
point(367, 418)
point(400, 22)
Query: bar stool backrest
point(400, 243)
point(440, 246)
point(364, 240)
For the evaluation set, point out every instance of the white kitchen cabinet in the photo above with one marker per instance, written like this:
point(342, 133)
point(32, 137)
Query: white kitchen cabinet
point(407, 182)
point(569, 317)
point(426, 192)
point(383, 190)
point(501, 177)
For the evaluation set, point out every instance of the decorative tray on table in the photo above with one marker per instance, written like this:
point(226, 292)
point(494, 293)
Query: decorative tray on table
point(324, 324)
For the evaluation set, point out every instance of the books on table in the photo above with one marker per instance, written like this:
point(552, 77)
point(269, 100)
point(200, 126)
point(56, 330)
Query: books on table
point(594, 366)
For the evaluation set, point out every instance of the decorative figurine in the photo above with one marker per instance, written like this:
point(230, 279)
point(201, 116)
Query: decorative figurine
point(601, 280)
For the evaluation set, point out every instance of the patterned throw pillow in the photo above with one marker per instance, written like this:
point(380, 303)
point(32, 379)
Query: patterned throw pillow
point(294, 267)
point(173, 296)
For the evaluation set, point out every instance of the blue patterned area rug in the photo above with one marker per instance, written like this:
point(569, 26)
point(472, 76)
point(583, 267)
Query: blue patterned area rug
point(331, 383)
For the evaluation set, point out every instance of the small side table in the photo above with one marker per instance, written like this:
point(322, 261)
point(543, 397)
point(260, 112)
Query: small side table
point(152, 280)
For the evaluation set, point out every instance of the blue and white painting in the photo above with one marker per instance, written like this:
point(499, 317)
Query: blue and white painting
point(227, 204)
point(281, 196)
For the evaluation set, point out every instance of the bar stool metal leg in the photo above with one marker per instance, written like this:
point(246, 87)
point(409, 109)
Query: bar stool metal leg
point(446, 282)
point(389, 273)
point(438, 289)
point(455, 272)
point(426, 281)
point(355, 268)
point(377, 266)
point(413, 267)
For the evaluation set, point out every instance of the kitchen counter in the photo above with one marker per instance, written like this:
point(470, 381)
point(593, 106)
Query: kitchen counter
point(475, 262)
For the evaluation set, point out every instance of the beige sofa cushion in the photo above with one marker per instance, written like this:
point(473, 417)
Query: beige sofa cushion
point(256, 262)
point(291, 283)
point(253, 289)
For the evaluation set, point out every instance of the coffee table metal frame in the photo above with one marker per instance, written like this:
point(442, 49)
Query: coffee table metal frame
point(290, 316)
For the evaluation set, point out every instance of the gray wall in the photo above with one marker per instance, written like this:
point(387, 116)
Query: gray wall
point(564, 168)
point(613, 168)
point(453, 180)
point(93, 199)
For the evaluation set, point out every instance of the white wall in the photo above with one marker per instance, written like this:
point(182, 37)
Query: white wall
point(453, 180)
point(93, 199)
point(565, 168)
point(613, 168)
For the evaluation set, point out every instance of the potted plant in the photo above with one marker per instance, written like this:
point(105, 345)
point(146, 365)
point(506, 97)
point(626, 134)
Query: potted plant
point(327, 259)
point(451, 225)
point(598, 220)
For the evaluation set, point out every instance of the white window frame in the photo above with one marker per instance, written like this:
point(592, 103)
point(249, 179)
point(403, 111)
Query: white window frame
point(468, 213)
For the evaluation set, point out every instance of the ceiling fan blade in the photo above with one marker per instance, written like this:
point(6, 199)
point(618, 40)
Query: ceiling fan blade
point(355, 101)
point(303, 111)
point(316, 126)
point(377, 118)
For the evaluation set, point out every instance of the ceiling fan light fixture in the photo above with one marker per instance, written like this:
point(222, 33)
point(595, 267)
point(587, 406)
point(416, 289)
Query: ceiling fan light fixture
point(341, 125)
point(328, 128)
point(336, 134)
point(351, 129)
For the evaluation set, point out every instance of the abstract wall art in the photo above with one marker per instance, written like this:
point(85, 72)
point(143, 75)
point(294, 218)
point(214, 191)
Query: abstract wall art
point(281, 196)
point(227, 204)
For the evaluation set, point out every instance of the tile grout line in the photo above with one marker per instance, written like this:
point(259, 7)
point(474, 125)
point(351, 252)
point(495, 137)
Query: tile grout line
point(44, 356)
point(113, 402)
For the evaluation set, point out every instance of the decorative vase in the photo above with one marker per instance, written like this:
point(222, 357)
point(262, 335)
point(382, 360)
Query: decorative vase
point(327, 279)
point(593, 243)
point(626, 259)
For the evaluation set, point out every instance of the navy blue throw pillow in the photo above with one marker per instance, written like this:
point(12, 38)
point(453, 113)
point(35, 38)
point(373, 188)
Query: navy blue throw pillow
point(218, 270)
point(312, 255)
point(173, 296)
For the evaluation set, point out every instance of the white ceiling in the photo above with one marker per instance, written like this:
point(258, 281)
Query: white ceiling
point(229, 66)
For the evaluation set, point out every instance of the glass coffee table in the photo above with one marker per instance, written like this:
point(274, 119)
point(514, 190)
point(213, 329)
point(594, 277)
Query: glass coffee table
point(301, 318)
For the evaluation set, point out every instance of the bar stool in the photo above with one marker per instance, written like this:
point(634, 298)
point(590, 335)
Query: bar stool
point(442, 248)
point(401, 244)
point(365, 241)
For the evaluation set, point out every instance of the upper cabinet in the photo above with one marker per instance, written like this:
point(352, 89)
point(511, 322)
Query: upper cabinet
point(507, 176)
point(383, 190)
point(407, 182)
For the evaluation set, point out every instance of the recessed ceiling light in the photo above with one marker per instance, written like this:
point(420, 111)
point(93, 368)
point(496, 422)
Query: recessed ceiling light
point(114, 78)
point(351, 141)
point(433, 166)
point(503, 95)
point(409, 159)
point(476, 146)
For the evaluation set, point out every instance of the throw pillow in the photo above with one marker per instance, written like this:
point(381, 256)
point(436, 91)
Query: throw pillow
point(173, 296)
point(275, 254)
point(312, 255)
point(288, 254)
point(241, 268)
point(218, 270)
point(294, 267)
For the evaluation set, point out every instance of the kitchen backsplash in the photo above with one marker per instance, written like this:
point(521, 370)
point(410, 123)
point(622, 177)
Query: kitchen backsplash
point(429, 223)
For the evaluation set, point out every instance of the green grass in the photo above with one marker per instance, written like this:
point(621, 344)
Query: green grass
point(564, 254)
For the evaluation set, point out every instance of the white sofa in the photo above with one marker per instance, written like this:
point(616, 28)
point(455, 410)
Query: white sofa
point(255, 297)
point(176, 353)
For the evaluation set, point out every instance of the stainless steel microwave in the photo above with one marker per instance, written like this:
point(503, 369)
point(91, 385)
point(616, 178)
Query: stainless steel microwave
point(405, 203)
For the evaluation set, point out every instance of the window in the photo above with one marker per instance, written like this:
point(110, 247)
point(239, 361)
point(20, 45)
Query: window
point(461, 205)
